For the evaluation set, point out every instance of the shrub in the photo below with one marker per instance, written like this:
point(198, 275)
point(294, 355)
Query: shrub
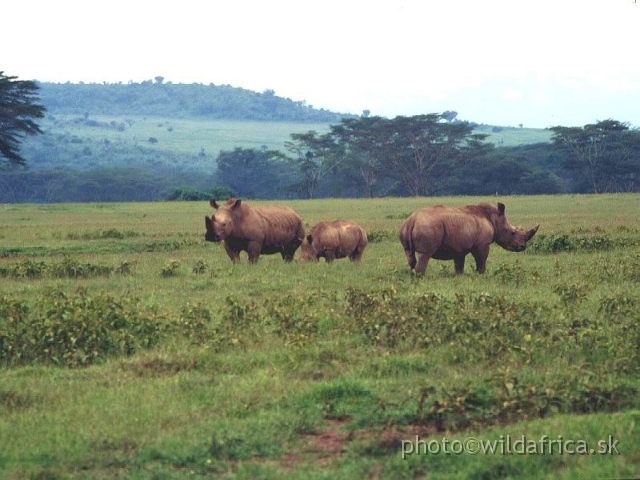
point(74, 330)
point(193, 194)
point(377, 236)
point(482, 324)
point(200, 267)
point(66, 268)
point(112, 233)
point(170, 268)
point(562, 242)
point(507, 398)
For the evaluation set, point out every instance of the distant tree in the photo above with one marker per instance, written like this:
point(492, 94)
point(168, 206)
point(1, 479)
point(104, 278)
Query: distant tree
point(313, 157)
point(252, 173)
point(419, 150)
point(18, 110)
point(191, 194)
point(366, 113)
point(159, 79)
point(363, 143)
point(606, 154)
point(449, 115)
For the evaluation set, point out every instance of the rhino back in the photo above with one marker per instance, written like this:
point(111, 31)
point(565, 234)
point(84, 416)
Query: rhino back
point(337, 235)
point(270, 224)
point(450, 229)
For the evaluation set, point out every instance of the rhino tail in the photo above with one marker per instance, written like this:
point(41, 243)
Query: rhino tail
point(406, 236)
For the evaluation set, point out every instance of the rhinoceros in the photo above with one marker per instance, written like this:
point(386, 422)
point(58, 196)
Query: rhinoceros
point(257, 230)
point(448, 233)
point(332, 240)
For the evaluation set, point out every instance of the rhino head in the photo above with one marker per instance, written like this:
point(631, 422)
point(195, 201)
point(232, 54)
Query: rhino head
point(509, 237)
point(220, 226)
point(307, 252)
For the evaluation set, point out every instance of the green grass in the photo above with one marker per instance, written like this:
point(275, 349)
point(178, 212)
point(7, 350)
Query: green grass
point(313, 370)
point(512, 137)
point(181, 135)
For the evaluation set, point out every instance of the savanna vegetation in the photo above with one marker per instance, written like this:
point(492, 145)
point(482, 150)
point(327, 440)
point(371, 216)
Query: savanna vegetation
point(156, 140)
point(130, 348)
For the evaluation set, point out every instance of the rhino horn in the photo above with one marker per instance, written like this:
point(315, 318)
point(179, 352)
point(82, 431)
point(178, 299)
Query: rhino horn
point(532, 232)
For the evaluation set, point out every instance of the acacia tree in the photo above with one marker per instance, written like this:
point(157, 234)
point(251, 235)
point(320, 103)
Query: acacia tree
point(18, 111)
point(417, 150)
point(252, 173)
point(605, 153)
point(313, 157)
point(362, 141)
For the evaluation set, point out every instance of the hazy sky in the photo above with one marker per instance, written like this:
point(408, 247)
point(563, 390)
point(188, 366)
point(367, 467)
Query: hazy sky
point(502, 62)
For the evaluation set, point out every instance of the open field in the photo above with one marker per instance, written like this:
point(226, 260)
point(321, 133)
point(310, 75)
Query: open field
point(130, 348)
point(180, 135)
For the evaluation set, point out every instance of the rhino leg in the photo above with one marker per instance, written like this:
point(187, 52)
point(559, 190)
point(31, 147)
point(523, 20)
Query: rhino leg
point(289, 250)
point(411, 258)
point(330, 255)
point(423, 261)
point(459, 264)
point(254, 249)
point(233, 254)
point(480, 255)
point(356, 255)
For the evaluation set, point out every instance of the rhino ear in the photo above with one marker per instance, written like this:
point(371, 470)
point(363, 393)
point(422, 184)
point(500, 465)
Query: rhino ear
point(213, 203)
point(501, 208)
point(236, 204)
point(309, 239)
point(208, 224)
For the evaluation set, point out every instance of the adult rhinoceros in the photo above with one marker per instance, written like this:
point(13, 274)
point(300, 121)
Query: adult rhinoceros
point(448, 233)
point(257, 230)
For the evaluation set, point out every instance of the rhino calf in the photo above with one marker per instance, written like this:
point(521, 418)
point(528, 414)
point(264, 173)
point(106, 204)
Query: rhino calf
point(256, 230)
point(447, 233)
point(332, 240)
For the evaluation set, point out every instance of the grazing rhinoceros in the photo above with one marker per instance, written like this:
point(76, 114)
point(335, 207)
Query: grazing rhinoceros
point(331, 240)
point(447, 233)
point(265, 229)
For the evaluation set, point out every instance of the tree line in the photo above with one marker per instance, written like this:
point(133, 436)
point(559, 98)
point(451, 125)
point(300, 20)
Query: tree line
point(166, 99)
point(363, 156)
point(431, 155)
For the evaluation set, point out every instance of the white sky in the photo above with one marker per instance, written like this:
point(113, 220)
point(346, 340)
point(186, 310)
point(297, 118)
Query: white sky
point(502, 62)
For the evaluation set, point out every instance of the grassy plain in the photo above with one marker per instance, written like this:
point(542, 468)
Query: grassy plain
point(180, 135)
point(314, 370)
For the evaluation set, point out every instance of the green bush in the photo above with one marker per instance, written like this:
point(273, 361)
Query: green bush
point(170, 269)
point(376, 236)
point(562, 242)
point(190, 194)
point(74, 330)
point(65, 268)
point(112, 233)
point(505, 398)
point(484, 325)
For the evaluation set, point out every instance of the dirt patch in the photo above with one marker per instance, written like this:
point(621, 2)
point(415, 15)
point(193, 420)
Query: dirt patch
point(331, 441)
point(159, 367)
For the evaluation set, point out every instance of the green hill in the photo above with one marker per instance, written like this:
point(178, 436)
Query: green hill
point(178, 101)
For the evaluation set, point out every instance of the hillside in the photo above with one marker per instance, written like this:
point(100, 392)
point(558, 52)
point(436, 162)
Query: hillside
point(178, 101)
